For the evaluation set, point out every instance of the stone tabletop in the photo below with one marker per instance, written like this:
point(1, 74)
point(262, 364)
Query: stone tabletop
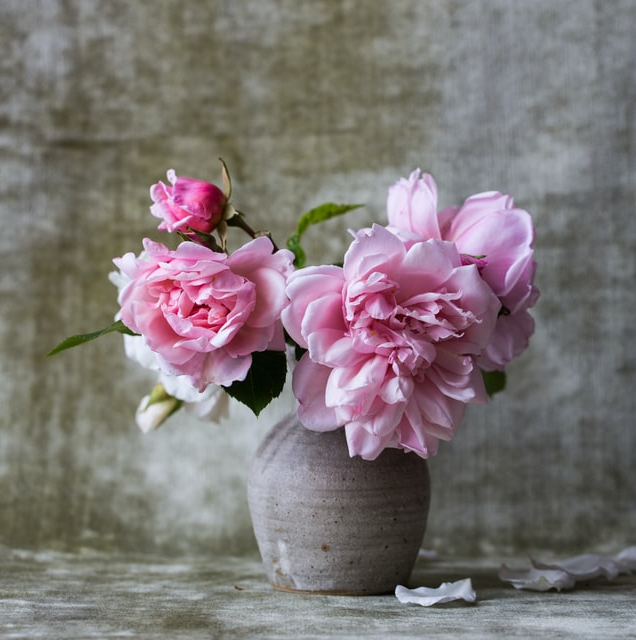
point(102, 595)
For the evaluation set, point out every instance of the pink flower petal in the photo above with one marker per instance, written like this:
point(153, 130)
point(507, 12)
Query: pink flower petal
point(308, 385)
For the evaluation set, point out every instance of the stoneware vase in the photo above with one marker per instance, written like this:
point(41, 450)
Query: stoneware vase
point(330, 524)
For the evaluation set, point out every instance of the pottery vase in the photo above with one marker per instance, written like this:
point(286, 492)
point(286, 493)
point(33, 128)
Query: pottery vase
point(331, 524)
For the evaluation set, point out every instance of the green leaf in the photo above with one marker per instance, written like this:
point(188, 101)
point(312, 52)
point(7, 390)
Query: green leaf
point(293, 244)
point(299, 352)
point(314, 216)
point(73, 341)
point(264, 382)
point(322, 213)
point(494, 381)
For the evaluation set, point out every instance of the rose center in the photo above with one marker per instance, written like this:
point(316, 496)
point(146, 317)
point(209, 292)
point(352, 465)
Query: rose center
point(404, 330)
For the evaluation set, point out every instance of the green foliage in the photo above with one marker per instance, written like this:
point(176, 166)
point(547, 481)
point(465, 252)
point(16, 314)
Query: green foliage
point(73, 341)
point(495, 381)
point(311, 217)
point(264, 382)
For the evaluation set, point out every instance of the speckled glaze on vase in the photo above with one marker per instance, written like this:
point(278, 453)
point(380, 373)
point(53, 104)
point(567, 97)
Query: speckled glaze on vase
point(327, 523)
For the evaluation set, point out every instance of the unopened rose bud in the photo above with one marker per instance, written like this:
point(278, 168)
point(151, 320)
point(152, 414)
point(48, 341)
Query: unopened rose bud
point(155, 408)
point(187, 204)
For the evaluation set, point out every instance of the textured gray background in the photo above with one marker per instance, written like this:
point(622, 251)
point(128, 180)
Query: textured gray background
point(307, 102)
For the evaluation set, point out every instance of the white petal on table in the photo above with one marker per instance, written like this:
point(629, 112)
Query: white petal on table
point(537, 579)
point(627, 559)
point(566, 573)
point(446, 592)
point(427, 554)
point(584, 567)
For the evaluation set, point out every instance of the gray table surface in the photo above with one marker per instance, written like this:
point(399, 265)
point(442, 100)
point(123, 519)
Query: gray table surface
point(109, 595)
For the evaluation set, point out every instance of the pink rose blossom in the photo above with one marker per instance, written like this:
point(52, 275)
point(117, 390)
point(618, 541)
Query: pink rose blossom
point(202, 312)
point(391, 339)
point(188, 203)
point(490, 232)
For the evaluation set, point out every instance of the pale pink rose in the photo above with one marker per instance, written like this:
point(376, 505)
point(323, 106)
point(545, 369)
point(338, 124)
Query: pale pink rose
point(154, 409)
point(490, 232)
point(391, 339)
point(202, 312)
point(187, 204)
point(210, 404)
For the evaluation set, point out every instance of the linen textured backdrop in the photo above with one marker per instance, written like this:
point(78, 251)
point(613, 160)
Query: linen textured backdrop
point(309, 102)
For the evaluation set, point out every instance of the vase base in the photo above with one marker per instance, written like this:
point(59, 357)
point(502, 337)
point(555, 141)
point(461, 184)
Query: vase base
point(332, 592)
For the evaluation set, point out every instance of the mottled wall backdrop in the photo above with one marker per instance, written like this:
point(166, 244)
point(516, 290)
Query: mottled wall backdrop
point(308, 102)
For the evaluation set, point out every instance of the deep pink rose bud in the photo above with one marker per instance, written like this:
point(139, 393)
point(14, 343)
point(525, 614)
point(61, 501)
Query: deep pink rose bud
point(187, 203)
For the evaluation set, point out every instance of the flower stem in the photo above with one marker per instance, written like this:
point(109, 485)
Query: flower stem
point(238, 220)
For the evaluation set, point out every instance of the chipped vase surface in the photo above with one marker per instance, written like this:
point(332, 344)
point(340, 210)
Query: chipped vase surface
point(328, 523)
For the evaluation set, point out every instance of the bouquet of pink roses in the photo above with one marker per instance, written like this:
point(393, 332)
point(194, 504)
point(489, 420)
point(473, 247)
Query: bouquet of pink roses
point(420, 320)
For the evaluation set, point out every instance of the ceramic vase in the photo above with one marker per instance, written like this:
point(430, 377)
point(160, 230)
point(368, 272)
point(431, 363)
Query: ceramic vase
point(331, 524)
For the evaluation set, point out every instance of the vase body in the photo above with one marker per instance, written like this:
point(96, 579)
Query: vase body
point(329, 523)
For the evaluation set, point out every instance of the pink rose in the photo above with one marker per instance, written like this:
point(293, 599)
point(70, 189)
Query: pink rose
point(391, 339)
point(202, 312)
point(488, 231)
point(188, 203)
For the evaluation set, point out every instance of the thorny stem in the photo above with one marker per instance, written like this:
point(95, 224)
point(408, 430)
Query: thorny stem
point(238, 220)
point(206, 238)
